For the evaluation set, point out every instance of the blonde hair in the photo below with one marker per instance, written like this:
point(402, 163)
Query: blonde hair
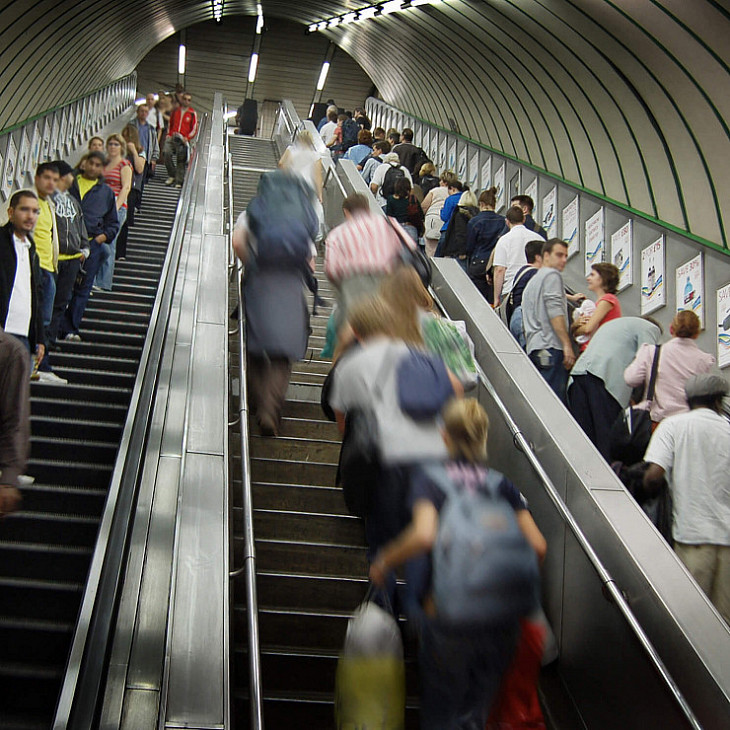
point(130, 134)
point(370, 317)
point(466, 424)
point(118, 138)
point(468, 198)
point(404, 292)
point(427, 168)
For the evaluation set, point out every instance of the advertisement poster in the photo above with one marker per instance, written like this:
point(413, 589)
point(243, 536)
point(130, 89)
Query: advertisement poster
point(549, 212)
point(62, 132)
point(52, 130)
point(11, 154)
point(621, 254)
point(452, 156)
point(462, 165)
point(499, 184)
point(487, 174)
point(35, 146)
point(653, 279)
point(723, 326)
point(23, 158)
point(531, 191)
point(474, 172)
point(594, 240)
point(691, 287)
point(570, 227)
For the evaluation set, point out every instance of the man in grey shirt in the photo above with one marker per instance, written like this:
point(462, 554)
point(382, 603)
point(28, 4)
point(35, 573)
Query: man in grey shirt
point(598, 392)
point(545, 318)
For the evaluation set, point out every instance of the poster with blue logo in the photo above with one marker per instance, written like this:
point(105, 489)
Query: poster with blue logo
point(723, 326)
point(653, 277)
point(550, 212)
point(570, 226)
point(594, 240)
point(691, 287)
point(621, 258)
point(499, 182)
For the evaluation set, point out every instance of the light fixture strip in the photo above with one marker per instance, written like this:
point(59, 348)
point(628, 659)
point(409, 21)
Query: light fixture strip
point(217, 10)
point(372, 11)
point(252, 67)
point(323, 75)
point(181, 59)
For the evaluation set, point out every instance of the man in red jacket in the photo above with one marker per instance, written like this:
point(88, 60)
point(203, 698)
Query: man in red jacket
point(182, 130)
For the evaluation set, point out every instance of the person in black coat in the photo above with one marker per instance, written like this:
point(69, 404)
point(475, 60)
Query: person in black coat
point(25, 323)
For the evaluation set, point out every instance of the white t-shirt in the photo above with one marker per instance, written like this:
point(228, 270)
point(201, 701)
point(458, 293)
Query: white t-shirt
point(20, 306)
point(510, 253)
point(694, 450)
point(379, 177)
point(328, 131)
point(367, 377)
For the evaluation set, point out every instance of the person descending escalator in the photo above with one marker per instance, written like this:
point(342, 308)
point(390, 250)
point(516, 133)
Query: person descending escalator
point(274, 237)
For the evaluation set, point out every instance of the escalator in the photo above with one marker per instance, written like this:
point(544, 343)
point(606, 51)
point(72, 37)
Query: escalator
point(46, 548)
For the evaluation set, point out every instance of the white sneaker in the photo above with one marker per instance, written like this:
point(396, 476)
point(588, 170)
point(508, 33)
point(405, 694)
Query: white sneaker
point(51, 378)
point(72, 337)
point(169, 181)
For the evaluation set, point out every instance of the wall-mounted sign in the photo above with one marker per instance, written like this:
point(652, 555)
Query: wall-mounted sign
point(550, 212)
point(499, 184)
point(531, 191)
point(653, 278)
point(723, 326)
point(11, 159)
point(570, 226)
point(621, 256)
point(474, 171)
point(487, 173)
point(461, 172)
point(594, 240)
point(690, 289)
point(23, 158)
point(452, 156)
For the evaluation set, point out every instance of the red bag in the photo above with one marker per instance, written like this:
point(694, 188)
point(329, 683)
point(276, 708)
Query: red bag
point(517, 706)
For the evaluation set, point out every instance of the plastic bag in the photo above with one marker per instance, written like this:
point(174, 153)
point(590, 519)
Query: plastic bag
point(370, 684)
point(445, 338)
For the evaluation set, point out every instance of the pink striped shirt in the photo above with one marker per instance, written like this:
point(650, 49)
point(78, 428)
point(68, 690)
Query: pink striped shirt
point(364, 244)
point(113, 178)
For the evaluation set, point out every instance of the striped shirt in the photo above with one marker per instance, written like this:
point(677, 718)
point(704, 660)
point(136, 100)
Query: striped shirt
point(364, 244)
point(113, 178)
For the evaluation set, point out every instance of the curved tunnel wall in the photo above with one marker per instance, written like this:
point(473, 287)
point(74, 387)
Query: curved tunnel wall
point(628, 99)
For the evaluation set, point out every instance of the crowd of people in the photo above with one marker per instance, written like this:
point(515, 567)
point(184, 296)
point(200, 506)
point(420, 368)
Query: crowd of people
point(59, 246)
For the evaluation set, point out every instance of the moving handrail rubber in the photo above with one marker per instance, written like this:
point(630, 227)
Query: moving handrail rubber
point(86, 667)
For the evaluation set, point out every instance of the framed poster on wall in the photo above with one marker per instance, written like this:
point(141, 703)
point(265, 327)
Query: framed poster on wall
point(474, 171)
point(531, 191)
point(570, 226)
point(594, 240)
point(653, 277)
point(11, 159)
point(549, 212)
point(487, 173)
point(690, 291)
point(723, 326)
point(499, 184)
point(621, 256)
point(462, 165)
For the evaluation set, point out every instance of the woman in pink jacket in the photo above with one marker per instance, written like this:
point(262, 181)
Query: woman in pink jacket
point(679, 360)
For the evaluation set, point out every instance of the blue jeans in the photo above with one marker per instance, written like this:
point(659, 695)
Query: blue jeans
point(515, 327)
point(48, 294)
point(440, 245)
point(77, 306)
point(550, 364)
point(106, 270)
point(461, 673)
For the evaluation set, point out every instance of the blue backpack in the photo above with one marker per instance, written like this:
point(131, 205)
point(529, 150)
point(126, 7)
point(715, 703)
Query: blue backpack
point(484, 570)
point(282, 220)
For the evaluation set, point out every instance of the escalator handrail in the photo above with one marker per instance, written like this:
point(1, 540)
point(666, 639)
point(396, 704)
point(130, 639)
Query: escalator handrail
point(91, 645)
point(248, 568)
point(523, 445)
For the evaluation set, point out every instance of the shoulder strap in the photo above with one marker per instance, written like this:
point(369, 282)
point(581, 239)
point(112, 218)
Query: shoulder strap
point(653, 376)
point(438, 475)
point(516, 280)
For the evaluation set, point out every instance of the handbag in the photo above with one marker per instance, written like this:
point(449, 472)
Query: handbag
point(477, 267)
point(631, 431)
point(359, 465)
point(414, 257)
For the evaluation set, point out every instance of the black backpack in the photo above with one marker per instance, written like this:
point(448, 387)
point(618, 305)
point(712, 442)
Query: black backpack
point(391, 177)
point(350, 130)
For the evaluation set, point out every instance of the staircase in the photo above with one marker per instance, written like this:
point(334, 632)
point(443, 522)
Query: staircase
point(310, 552)
point(46, 548)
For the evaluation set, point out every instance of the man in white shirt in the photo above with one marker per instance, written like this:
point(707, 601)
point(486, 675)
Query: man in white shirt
point(382, 188)
point(509, 253)
point(20, 282)
point(328, 130)
point(693, 451)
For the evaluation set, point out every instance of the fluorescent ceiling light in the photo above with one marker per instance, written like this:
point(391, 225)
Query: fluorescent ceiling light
point(367, 13)
point(312, 28)
point(259, 9)
point(322, 25)
point(252, 66)
point(334, 22)
point(181, 60)
point(259, 24)
point(348, 18)
point(416, 3)
point(323, 75)
point(391, 7)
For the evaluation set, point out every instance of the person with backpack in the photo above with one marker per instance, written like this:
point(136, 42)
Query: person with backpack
point(455, 242)
point(362, 150)
point(274, 238)
point(374, 160)
point(383, 181)
point(468, 629)
point(345, 135)
point(404, 207)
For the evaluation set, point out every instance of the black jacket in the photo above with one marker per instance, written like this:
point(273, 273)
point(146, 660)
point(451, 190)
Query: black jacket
point(100, 209)
point(455, 243)
point(8, 267)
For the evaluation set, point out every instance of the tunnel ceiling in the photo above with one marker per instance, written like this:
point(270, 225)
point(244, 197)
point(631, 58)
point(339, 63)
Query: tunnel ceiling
point(628, 98)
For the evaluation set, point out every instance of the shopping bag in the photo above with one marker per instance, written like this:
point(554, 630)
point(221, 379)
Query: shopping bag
point(370, 683)
point(444, 338)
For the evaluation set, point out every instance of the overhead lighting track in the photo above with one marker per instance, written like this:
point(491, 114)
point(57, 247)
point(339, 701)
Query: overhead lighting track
point(217, 10)
point(372, 11)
